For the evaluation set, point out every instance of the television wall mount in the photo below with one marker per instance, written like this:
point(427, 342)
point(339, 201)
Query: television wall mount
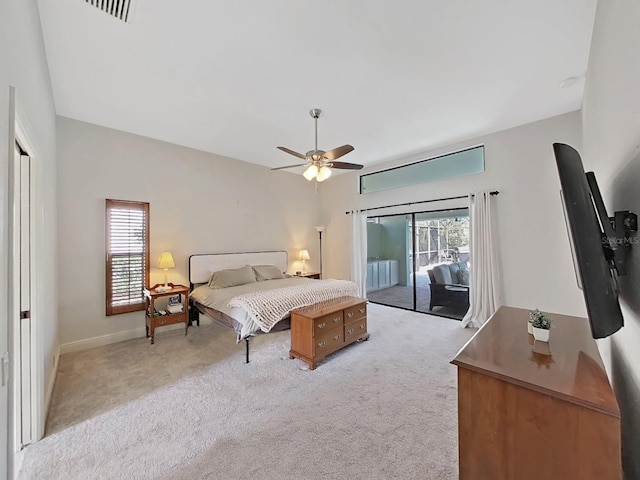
point(624, 224)
point(619, 231)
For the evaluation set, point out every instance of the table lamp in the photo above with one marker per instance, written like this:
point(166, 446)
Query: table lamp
point(304, 256)
point(165, 262)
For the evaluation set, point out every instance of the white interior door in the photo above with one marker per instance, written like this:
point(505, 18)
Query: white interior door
point(20, 291)
point(25, 301)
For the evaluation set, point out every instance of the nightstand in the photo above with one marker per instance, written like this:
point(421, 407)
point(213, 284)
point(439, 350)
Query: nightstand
point(315, 275)
point(154, 319)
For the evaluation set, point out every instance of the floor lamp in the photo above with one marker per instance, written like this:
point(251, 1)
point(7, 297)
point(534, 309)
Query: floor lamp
point(320, 229)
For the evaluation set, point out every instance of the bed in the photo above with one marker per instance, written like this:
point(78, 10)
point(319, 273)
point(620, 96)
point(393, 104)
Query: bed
point(222, 289)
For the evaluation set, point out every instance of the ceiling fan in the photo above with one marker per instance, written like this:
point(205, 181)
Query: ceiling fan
point(318, 162)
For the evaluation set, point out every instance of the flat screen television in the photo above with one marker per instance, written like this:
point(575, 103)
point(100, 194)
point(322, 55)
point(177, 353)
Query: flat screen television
point(592, 242)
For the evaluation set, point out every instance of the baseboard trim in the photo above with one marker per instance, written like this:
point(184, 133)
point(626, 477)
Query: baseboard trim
point(116, 337)
point(49, 394)
point(52, 381)
point(101, 340)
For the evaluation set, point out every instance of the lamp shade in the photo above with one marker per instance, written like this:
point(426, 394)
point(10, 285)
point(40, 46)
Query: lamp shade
point(323, 174)
point(304, 255)
point(166, 260)
point(310, 173)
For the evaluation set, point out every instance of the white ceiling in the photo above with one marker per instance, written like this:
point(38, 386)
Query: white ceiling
point(238, 78)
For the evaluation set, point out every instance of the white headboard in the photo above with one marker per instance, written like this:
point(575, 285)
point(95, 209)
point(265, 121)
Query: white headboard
point(201, 265)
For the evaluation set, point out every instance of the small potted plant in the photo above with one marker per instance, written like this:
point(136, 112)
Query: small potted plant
point(540, 324)
point(532, 316)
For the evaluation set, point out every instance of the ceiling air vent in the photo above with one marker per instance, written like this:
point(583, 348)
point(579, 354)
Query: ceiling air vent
point(119, 9)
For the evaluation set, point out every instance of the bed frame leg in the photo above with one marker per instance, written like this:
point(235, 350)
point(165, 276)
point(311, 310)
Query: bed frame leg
point(247, 354)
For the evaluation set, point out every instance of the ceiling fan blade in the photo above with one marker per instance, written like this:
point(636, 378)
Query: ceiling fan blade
point(346, 166)
point(337, 152)
point(290, 166)
point(295, 154)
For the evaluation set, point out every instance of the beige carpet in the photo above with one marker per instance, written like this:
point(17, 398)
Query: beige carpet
point(190, 408)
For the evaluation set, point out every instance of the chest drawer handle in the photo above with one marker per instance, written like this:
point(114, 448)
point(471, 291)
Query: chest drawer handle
point(362, 310)
point(362, 326)
point(321, 325)
point(336, 320)
point(350, 331)
point(321, 344)
point(337, 337)
point(350, 314)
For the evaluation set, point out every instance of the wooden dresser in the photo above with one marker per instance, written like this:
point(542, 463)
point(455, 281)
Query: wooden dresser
point(321, 329)
point(532, 410)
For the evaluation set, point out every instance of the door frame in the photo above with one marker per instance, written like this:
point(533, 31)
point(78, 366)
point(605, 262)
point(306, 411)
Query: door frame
point(21, 133)
point(412, 250)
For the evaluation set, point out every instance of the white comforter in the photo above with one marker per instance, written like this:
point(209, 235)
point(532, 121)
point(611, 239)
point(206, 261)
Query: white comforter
point(242, 302)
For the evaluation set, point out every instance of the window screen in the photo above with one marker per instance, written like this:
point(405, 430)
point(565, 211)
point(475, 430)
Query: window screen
point(127, 245)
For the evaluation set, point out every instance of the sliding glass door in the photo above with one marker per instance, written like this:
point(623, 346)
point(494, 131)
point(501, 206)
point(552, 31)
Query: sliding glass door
point(442, 262)
point(388, 256)
point(419, 261)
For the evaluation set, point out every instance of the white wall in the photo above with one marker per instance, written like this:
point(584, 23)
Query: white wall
point(199, 203)
point(611, 123)
point(537, 270)
point(23, 65)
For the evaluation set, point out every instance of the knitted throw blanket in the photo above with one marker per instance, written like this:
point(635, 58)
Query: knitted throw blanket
point(269, 307)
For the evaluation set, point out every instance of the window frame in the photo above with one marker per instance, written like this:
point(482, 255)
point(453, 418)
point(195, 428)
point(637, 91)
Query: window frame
point(422, 171)
point(111, 204)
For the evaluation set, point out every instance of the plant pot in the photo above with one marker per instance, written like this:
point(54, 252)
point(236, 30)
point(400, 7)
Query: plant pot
point(529, 328)
point(541, 334)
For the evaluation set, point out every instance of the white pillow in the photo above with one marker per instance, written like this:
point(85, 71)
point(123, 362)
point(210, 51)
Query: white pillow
point(267, 272)
point(232, 277)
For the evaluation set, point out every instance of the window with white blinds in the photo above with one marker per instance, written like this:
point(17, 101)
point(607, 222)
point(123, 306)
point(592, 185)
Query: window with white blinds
point(127, 243)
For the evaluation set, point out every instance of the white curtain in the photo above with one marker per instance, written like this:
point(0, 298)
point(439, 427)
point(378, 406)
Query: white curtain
point(359, 251)
point(484, 295)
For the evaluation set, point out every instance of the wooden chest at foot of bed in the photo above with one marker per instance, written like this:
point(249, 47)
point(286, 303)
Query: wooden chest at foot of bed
point(321, 329)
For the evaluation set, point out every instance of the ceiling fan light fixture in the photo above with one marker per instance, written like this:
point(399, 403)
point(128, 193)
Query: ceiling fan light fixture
point(318, 161)
point(323, 174)
point(311, 172)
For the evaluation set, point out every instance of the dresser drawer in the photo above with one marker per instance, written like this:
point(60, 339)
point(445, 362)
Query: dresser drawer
point(327, 322)
point(353, 313)
point(354, 330)
point(328, 341)
point(169, 319)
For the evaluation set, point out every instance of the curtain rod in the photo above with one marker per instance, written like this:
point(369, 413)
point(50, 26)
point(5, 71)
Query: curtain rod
point(413, 203)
